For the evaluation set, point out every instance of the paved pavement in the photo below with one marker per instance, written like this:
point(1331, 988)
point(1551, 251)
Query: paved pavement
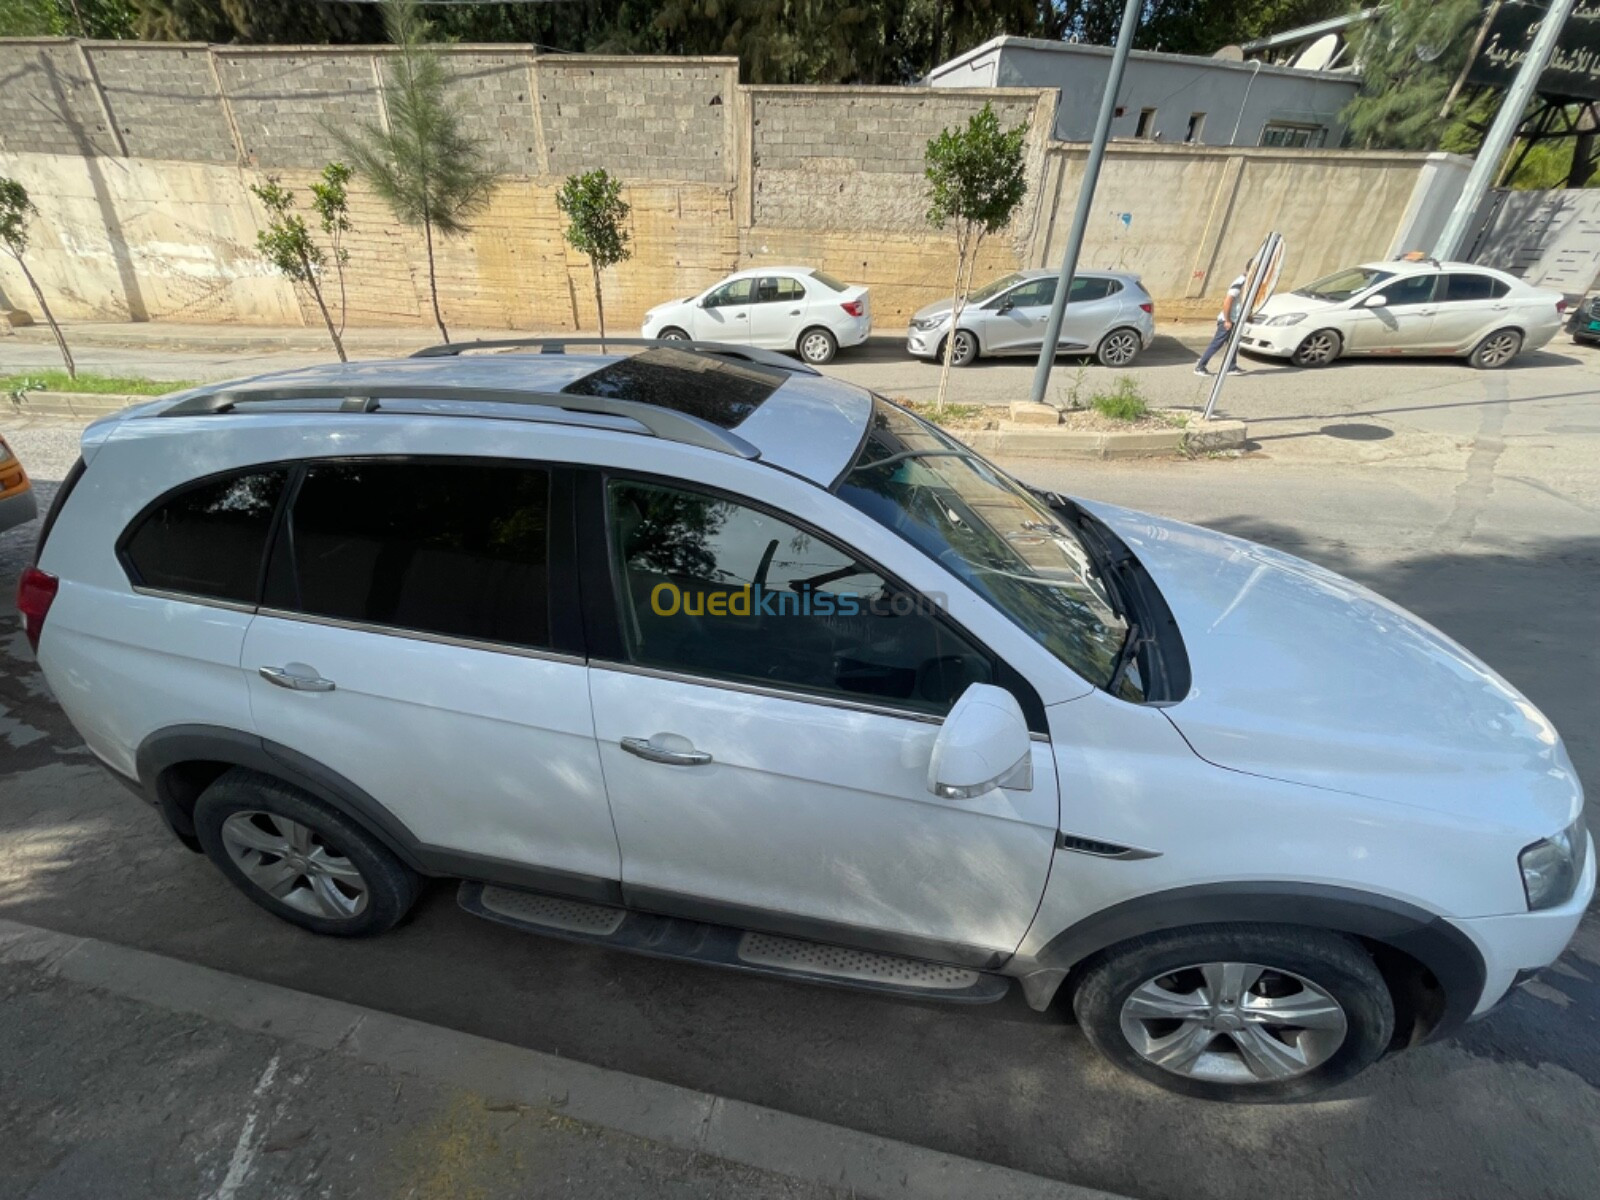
point(1479, 508)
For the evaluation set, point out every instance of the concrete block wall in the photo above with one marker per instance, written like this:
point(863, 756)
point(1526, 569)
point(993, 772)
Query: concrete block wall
point(49, 102)
point(285, 102)
point(496, 90)
point(639, 118)
point(164, 101)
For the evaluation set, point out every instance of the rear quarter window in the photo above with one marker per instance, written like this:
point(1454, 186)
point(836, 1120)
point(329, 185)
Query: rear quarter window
point(208, 538)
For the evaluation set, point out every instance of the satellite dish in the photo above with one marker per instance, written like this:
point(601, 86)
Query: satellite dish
point(1319, 54)
point(1230, 54)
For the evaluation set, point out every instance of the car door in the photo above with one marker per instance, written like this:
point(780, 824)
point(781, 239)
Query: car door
point(723, 315)
point(416, 637)
point(766, 722)
point(1403, 324)
point(1468, 305)
point(1014, 323)
point(1093, 308)
point(778, 312)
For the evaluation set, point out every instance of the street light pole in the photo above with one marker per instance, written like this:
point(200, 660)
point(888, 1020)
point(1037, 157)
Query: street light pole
point(1091, 176)
point(1498, 139)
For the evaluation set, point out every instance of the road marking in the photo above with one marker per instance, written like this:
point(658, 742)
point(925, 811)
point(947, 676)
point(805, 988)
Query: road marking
point(246, 1149)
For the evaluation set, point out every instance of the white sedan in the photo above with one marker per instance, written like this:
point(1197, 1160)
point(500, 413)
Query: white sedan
point(781, 308)
point(1407, 307)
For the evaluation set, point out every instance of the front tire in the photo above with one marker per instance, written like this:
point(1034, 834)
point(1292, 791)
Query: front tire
point(673, 334)
point(1318, 349)
point(1497, 350)
point(1246, 1013)
point(965, 351)
point(299, 859)
point(1119, 348)
point(817, 346)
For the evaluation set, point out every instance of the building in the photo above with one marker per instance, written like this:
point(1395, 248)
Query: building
point(1220, 101)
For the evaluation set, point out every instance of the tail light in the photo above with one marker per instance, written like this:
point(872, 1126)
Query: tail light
point(854, 307)
point(1561, 306)
point(36, 592)
point(1148, 306)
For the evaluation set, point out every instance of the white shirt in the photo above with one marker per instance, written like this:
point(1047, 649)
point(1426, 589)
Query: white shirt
point(1235, 290)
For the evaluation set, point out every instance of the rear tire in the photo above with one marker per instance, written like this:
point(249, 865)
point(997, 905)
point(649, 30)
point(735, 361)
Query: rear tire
point(1497, 350)
point(1119, 348)
point(300, 859)
point(1247, 1013)
point(817, 346)
point(1318, 349)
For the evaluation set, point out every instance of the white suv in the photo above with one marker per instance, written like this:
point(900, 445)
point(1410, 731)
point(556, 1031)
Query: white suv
point(695, 652)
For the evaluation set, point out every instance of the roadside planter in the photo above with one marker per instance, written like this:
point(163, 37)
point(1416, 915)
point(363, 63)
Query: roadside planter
point(1043, 431)
point(71, 404)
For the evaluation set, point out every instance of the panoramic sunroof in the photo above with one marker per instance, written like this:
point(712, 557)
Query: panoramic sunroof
point(718, 390)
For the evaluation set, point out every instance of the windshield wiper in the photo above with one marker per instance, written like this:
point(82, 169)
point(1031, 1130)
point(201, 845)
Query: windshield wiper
point(1126, 656)
point(907, 454)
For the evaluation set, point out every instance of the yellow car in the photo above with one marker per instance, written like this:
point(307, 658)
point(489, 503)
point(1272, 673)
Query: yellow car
point(17, 503)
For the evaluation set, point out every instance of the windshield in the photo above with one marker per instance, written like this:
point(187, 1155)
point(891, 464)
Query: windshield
point(991, 534)
point(979, 295)
point(1341, 285)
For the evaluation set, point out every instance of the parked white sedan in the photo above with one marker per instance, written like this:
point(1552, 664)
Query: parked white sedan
point(1405, 307)
point(798, 309)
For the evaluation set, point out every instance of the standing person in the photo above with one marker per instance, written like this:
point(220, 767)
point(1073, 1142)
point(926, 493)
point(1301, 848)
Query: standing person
point(1230, 305)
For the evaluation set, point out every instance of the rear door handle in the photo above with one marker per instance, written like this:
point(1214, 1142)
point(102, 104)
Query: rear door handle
point(285, 678)
point(650, 752)
point(794, 312)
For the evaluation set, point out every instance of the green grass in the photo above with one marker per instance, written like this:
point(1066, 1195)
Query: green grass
point(1123, 402)
point(99, 385)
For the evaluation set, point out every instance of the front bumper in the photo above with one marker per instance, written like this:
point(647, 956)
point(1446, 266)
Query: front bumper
point(1276, 341)
point(18, 508)
point(1517, 946)
point(924, 343)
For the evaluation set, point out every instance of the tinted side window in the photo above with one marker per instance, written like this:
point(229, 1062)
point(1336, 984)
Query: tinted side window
point(713, 588)
point(207, 540)
point(737, 292)
point(773, 289)
point(1092, 289)
point(1040, 291)
point(1413, 289)
point(453, 549)
point(1464, 286)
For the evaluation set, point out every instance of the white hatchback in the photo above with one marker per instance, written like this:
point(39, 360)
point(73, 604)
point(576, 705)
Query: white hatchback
point(1413, 308)
point(698, 653)
point(798, 309)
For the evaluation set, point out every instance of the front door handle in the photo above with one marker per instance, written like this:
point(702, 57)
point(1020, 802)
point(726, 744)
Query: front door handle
point(794, 312)
point(650, 752)
point(285, 678)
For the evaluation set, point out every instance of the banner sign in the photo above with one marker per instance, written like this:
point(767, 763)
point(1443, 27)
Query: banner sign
point(1574, 70)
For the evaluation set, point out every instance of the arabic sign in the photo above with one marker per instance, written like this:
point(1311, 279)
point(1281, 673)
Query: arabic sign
point(1574, 70)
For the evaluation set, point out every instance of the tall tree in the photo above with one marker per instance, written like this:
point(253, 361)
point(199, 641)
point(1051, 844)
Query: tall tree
point(1410, 54)
point(975, 184)
point(432, 174)
point(287, 244)
point(66, 18)
point(596, 226)
point(273, 21)
point(16, 210)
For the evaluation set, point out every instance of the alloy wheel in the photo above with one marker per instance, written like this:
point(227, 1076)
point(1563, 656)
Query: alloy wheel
point(1119, 348)
point(965, 349)
point(1317, 349)
point(1498, 349)
point(294, 865)
point(1231, 1022)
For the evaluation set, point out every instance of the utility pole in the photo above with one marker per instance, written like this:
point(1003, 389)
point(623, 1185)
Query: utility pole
point(1091, 176)
point(1504, 129)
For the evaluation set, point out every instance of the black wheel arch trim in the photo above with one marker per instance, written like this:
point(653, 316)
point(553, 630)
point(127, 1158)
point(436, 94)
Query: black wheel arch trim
point(174, 746)
point(1428, 938)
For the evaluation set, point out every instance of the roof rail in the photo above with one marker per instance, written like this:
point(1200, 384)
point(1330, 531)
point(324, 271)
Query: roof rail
point(558, 345)
point(665, 423)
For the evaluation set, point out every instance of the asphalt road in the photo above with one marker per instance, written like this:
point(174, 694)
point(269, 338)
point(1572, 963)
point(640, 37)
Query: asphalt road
point(1478, 508)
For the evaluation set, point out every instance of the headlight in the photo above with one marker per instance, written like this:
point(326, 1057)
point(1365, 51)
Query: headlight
point(1552, 865)
point(926, 323)
point(1285, 319)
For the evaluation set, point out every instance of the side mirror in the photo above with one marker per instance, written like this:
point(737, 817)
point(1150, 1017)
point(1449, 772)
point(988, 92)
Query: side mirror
point(1376, 300)
point(984, 744)
point(704, 302)
point(1005, 305)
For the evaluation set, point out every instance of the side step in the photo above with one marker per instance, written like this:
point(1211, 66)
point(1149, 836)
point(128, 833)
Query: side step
point(724, 946)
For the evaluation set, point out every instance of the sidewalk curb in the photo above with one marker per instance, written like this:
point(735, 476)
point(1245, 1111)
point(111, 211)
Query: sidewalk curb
point(748, 1134)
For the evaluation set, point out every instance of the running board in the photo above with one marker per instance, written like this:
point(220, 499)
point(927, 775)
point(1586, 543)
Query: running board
point(724, 946)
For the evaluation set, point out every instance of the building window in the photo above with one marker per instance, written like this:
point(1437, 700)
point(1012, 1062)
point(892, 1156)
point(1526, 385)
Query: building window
point(1147, 123)
point(1283, 133)
point(1197, 123)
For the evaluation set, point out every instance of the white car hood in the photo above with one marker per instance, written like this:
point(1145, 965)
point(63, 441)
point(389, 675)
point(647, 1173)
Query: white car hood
point(1283, 302)
point(1302, 675)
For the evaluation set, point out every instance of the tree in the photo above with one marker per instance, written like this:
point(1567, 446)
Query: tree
point(16, 210)
point(975, 184)
point(66, 18)
point(331, 202)
point(286, 243)
point(1410, 53)
point(596, 216)
point(423, 164)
